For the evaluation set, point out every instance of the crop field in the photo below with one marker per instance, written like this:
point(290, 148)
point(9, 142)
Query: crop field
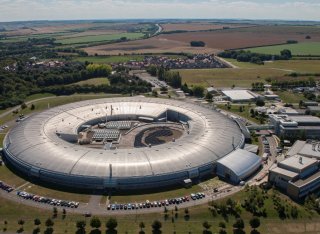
point(228, 77)
point(99, 38)
point(307, 48)
point(78, 33)
point(198, 26)
point(247, 37)
point(299, 66)
point(109, 59)
point(156, 45)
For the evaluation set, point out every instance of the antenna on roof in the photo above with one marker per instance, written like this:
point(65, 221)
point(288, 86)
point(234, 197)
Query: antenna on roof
point(300, 160)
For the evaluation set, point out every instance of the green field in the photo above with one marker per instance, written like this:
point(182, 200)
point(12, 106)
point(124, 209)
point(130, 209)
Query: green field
point(299, 66)
point(307, 48)
point(109, 59)
point(99, 38)
point(94, 81)
point(247, 73)
point(228, 76)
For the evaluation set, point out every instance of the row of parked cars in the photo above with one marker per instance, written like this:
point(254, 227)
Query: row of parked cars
point(163, 203)
point(50, 201)
point(6, 187)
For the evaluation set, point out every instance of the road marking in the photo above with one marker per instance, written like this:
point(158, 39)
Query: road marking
point(21, 186)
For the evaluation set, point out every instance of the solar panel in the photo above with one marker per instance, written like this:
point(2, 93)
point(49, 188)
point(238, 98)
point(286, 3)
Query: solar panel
point(106, 134)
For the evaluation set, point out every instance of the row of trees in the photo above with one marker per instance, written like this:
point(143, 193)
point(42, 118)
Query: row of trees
point(257, 58)
point(170, 77)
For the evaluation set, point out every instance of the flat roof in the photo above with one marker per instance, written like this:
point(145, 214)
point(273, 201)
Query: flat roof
point(294, 162)
point(281, 171)
point(305, 181)
point(239, 94)
point(305, 118)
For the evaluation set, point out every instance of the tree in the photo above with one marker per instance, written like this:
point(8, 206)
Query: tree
point(260, 102)
point(197, 44)
point(95, 222)
point(255, 222)
point(286, 54)
point(112, 224)
point(37, 222)
point(81, 224)
point(49, 222)
point(23, 106)
point(206, 225)
point(209, 96)
point(21, 222)
point(55, 212)
point(96, 70)
point(198, 91)
point(239, 224)
point(142, 226)
point(156, 225)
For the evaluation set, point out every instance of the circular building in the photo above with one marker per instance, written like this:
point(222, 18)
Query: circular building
point(127, 144)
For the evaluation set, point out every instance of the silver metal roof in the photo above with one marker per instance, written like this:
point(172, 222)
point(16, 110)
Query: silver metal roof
point(241, 162)
point(34, 141)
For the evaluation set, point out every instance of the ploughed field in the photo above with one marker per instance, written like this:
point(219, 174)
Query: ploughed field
point(216, 40)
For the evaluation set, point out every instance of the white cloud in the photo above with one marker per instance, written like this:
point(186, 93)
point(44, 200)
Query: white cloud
point(13, 10)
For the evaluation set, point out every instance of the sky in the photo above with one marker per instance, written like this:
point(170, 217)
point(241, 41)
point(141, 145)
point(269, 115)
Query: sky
point(21, 10)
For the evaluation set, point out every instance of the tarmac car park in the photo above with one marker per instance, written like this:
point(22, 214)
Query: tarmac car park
point(163, 203)
point(49, 201)
point(6, 187)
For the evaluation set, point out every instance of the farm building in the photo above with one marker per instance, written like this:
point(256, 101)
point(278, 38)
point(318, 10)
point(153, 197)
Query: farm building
point(238, 165)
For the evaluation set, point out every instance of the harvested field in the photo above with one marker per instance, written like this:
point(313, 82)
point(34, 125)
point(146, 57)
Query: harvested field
point(247, 37)
point(152, 45)
point(200, 26)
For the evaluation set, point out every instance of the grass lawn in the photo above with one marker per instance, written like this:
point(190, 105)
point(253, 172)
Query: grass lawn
point(228, 76)
point(98, 38)
point(307, 48)
point(10, 178)
point(235, 109)
point(290, 97)
point(38, 96)
point(94, 81)
point(110, 59)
